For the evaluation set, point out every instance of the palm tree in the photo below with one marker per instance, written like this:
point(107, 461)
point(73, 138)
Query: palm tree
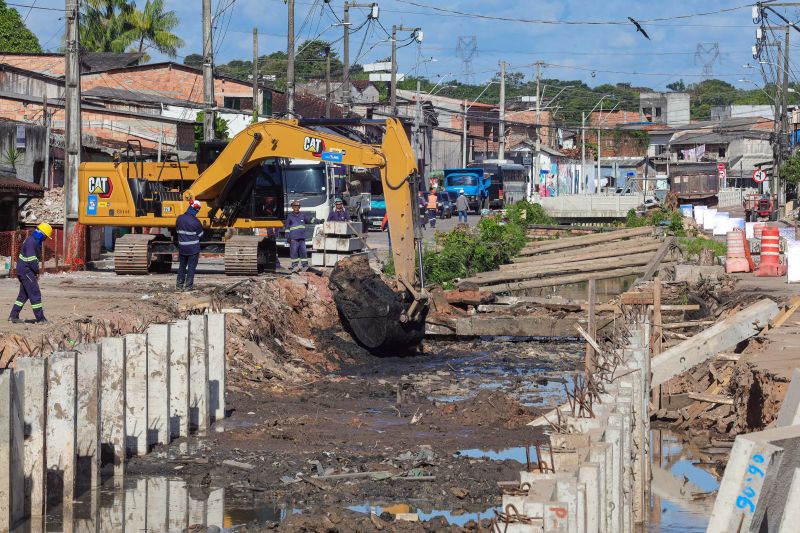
point(152, 28)
point(104, 25)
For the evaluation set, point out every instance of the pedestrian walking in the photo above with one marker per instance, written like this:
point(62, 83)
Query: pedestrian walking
point(28, 270)
point(462, 206)
point(432, 201)
point(189, 231)
point(296, 235)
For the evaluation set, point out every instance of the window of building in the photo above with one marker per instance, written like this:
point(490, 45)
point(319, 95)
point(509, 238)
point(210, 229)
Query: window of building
point(266, 103)
point(721, 151)
point(608, 143)
point(232, 102)
point(658, 112)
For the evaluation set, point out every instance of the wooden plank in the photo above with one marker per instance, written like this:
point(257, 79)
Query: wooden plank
point(667, 246)
point(637, 297)
point(574, 242)
point(598, 251)
point(589, 338)
point(564, 280)
point(711, 398)
point(686, 307)
point(688, 324)
point(591, 349)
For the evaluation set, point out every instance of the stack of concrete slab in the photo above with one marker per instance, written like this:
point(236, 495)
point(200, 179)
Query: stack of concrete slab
point(122, 395)
point(760, 490)
point(336, 240)
point(596, 477)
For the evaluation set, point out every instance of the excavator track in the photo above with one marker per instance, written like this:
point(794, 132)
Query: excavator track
point(132, 254)
point(245, 255)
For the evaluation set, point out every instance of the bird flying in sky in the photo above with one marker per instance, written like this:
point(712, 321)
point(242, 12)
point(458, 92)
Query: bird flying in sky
point(639, 28)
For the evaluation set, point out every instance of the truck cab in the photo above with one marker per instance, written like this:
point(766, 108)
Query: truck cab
point(472, 182)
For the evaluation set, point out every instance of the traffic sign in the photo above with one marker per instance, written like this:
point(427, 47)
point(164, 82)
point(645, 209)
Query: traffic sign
point(759, 175)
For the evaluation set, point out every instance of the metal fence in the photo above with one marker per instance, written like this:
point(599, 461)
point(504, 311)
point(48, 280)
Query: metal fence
point(54, 257)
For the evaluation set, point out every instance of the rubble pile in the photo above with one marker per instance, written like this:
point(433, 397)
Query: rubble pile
point(288, 329)
point(49, 208)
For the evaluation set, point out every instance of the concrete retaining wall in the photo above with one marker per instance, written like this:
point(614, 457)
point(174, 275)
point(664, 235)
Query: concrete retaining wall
point(121, 396)
point(590, 205)
point(596, 478)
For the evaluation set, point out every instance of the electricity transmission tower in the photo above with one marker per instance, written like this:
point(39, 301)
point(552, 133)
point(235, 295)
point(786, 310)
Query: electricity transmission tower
point(707, 54)
point(467, 49)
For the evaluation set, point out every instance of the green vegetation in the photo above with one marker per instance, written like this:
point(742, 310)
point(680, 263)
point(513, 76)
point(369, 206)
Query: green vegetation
point(220, 128)
point(694, 246)
point(790, 170)
point(15, 37)
point(659, 217)
point(465, 252)
point(113, 25)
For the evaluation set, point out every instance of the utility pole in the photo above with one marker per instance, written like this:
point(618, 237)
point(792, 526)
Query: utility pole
point(596, 187)
point(256, 102)
point(208, 75)
point(393, 88)
point(464, 136)
point(327, 82)
point(72, 115)
point(501, 130)
point(781, 198)
point(583, 153)
point(537, 165)
point(346, 60)
point(290, 60)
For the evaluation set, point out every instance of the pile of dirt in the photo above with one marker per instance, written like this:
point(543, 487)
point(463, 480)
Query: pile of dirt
point(49, 208)
point(487, 408)
point(288, 329)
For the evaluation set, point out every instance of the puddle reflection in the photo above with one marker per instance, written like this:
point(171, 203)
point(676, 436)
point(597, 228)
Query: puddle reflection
point(680, 500)
point(453, 517)
point(157, 504)
point(514, 454)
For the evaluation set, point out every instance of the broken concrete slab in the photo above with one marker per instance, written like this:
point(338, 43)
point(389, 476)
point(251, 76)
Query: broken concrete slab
point(112, 406)
point(179, 379)
point(695, 273)
point(87, 474)
point(60, 428)
point(216, 366)
point(724, 335)
point(30, 375)
point(198, 374)
point(136, 394)
point(789, 413)
point(158, 396)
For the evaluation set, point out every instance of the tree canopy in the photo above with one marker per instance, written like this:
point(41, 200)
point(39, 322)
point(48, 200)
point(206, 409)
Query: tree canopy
point(14, 35)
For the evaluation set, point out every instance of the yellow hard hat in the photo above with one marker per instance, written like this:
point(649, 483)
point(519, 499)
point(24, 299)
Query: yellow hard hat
point(46, 228)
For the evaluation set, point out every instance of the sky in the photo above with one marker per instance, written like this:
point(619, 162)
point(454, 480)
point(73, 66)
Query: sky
point(594, 53)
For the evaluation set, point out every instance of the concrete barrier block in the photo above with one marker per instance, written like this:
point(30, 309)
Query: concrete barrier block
point(791, 514)
point(613, 437)
point(216, 366)
point(136, 394)
point(179, 378)
point(567, 494)
point(589, 476)
point(602, 455)
point(30, 376)
point(158, 411)
point(12, 460)
point(112, 407)
point(198, 375)
point(789, 413)
point(60, 435)
point(87, 473)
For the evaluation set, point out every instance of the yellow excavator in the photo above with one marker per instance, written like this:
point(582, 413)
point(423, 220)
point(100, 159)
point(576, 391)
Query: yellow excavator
point(240, 187)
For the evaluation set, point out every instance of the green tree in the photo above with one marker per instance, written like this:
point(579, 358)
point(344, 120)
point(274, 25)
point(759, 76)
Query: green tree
point(220, 128)
point(790, 170)
point(193, 60)
point(105, 24)
point(677, 86)
point(14, 35)
point(152, 26)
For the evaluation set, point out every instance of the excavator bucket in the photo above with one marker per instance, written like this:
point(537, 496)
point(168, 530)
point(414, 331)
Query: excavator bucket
point(371, 311)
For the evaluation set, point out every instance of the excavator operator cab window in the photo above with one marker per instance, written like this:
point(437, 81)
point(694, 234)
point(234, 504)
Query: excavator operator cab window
point(268, 192)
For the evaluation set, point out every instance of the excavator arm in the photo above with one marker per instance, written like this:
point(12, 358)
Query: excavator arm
point(377, 316)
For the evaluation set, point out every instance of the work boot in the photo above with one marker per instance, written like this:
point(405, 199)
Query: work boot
point(42, 321)
point(179, 288)
point(188, 289)
point(15, 320)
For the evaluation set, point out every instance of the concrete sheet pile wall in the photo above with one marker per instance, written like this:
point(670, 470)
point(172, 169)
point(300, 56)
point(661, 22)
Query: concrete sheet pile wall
point(760, 490)
point(596, 476)
point(116, 399)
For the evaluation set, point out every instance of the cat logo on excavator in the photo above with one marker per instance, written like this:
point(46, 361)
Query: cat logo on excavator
point(314, 145)
point(101, 186)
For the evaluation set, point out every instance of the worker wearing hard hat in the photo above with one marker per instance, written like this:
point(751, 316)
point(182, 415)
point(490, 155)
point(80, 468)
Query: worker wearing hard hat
point(189, 231)
point(28, 269)
point(295, 227)
point(339, 213)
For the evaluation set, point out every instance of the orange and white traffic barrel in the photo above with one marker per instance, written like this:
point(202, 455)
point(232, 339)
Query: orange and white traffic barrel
point(770, 253)
point(736, 258)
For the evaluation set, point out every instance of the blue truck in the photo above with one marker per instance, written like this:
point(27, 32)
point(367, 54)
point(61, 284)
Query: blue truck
point(474, 184)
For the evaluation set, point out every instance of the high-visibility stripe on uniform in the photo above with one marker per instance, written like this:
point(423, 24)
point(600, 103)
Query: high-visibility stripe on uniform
point(295, 260)
point(188, 243)
point(36, 306)
point(292, 228)
point(21, 304)
point(28, 259)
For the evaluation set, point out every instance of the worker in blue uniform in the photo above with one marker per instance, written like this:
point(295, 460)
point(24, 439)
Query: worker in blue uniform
point(189, 231)
point(28, 269)
point(339, 213)
point(295, 226)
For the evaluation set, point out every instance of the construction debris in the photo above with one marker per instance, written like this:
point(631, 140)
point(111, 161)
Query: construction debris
point(49, 208)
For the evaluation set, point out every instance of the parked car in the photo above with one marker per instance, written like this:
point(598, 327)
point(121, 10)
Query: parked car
point(445, 205)
point(377, 210)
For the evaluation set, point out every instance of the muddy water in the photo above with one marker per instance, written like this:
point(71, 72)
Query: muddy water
point(606, 289)
point(683, 488)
